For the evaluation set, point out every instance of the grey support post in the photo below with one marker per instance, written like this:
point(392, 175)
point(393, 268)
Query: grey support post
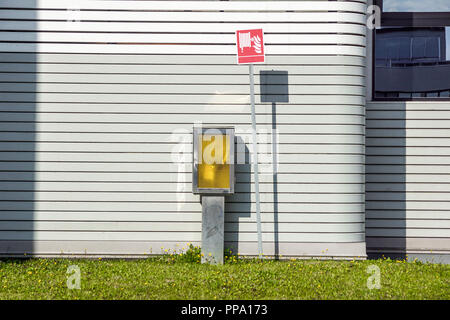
point(213, 208)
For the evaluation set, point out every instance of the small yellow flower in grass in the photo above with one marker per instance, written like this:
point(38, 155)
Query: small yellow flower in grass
point(29, 272)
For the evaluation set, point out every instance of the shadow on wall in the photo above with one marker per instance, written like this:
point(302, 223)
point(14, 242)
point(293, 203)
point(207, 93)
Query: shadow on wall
point(18, 104)
point(238, 205)
point(386, 187)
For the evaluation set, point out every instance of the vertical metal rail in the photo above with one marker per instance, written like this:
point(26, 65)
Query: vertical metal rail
point(255, 161)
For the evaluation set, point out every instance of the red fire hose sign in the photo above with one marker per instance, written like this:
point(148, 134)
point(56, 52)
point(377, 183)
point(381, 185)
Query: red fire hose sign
point(250, 46)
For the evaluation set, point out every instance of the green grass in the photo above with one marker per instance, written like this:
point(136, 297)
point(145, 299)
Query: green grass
point(183, 277)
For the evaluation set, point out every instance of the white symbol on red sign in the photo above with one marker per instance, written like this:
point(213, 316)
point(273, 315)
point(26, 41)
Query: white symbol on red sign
point(250, 46)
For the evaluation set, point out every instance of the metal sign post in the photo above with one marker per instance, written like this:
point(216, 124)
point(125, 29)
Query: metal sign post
point(250, 49)
point(255, 160)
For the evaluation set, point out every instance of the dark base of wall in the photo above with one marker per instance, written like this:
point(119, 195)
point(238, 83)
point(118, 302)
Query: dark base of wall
point(410, 256)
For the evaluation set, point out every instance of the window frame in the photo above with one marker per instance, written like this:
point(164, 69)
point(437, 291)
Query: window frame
point(406, 19)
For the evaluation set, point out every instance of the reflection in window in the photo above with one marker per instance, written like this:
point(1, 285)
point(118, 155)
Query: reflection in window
point(412, 62)
point(416, 5)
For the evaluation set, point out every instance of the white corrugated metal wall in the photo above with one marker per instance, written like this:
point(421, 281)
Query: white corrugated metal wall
point(97, 95)
point(408, 178)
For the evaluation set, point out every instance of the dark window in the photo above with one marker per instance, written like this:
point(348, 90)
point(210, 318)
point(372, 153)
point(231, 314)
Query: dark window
point(412, 50)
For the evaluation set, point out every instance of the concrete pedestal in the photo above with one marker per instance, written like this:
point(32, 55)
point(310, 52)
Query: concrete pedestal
point(213, 208)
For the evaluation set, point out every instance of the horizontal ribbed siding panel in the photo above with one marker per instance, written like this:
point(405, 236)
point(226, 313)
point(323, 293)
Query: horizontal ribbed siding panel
point(163, 89)
point(163, 167)
point(171, 205)
point(184, 5)
point(173, 69)
point(218, 98)
point(188, 27)
point(139, 147)
point(263, 109)
point(156, 60)
point(162, 118)
point(92, 112)
point(173, 79)
point(412, 132)
point(226, 16)
point(142, 226)
point(408, 177)
point(410, 224)
point(174, 236)
point(304, 128)
point(149, 157)
point(160, 138)
point(407, 205)
point(176, 217)
point(171, 49)
point(288, 188)
point(416, 187)
point(157, 177)
point(57, 37)
point(188, 197)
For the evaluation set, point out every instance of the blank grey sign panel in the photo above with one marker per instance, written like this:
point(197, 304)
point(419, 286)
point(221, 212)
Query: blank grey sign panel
point(274, 86)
